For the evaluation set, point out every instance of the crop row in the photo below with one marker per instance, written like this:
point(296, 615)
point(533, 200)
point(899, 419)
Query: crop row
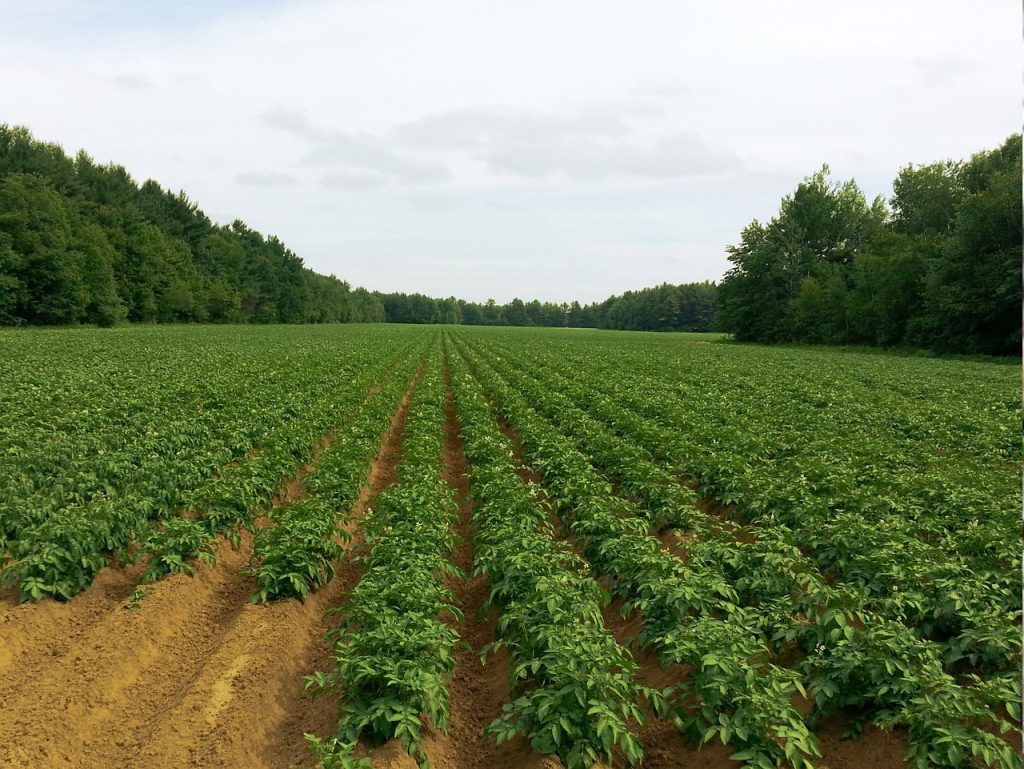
point(161, 427)
point(878, 664)
point(916, 465)
point(236, 496)
point(690, 612)
point(61, 554)
point(393, 650)
point(295, 553)
point(76, 444)
point(574, 688)
point(973, 612)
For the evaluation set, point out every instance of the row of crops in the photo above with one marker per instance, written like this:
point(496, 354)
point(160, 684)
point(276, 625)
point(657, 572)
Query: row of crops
point(864, 553)
point(180, 436)
point(799, 534)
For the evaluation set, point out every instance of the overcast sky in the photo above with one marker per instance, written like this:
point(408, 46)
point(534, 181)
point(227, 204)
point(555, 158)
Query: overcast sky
point(556, 149)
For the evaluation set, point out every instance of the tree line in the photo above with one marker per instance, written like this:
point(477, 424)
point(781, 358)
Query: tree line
point(83, 243)
point(938, 266)
point(686, 307)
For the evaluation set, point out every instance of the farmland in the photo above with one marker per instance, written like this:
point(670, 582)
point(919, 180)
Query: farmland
point(487, 547)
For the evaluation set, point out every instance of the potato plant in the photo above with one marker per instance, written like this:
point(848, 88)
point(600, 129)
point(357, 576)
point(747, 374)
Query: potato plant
point(745, 699)
point(574, 689)
point(237, 495)
point(296, 552)
point(107, 440)
point(393, 650)
point(910, 579)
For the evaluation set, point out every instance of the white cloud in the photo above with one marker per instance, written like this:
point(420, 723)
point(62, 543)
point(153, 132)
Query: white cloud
point(352, 180)
point(478, 128)
point(326, 147)
point(265, 179)
point(595, 143)
point(131, 82)
point(567, 149)
point(943, 69)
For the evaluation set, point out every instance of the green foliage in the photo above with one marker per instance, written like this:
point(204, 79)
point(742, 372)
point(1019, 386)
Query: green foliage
point(884, 667)
point(743, 699)
point(393, 650)
point(574, 691)
point(82, 243)
point(297, 553)
point(106, 443)
point(173, 546)
point(942, 270)
point(783, 523)
point(863, 481)
point(332, 753)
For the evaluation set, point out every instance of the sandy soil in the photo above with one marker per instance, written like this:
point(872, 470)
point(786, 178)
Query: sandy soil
point(196, 676)
point(478, 690)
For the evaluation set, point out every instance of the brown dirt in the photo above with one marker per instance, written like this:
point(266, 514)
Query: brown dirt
point(525, 471)
point(478, 691)
point(674, 542)
point(625, 631)
point(320, 716)
point(34, 634)
point(726, 515)
point(875, 748)
point(196, 676)
point(88, 706)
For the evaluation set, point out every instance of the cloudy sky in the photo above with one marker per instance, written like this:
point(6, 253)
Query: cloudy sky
point(552, 150)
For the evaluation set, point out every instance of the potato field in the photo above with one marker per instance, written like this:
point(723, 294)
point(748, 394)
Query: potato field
point(391, 546)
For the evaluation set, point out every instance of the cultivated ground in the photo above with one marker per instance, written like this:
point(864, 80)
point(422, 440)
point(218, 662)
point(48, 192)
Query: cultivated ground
point(775, 537)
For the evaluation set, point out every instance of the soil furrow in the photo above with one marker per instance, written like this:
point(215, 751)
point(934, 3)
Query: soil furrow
point(160, 685)
point(478, 691)
point(35, 633)
point(86, 705)
point(247, 707)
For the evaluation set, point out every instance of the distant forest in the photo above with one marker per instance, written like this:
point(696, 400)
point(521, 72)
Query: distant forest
point(686, 307)
point(938, 266)
point(83, 243)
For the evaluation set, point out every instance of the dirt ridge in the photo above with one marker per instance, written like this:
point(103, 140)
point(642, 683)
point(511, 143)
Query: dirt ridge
point(197, 676)
point(287, 747)
point(478, 690)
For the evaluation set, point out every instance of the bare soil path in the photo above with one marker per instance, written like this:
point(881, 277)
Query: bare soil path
point(478, 690)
